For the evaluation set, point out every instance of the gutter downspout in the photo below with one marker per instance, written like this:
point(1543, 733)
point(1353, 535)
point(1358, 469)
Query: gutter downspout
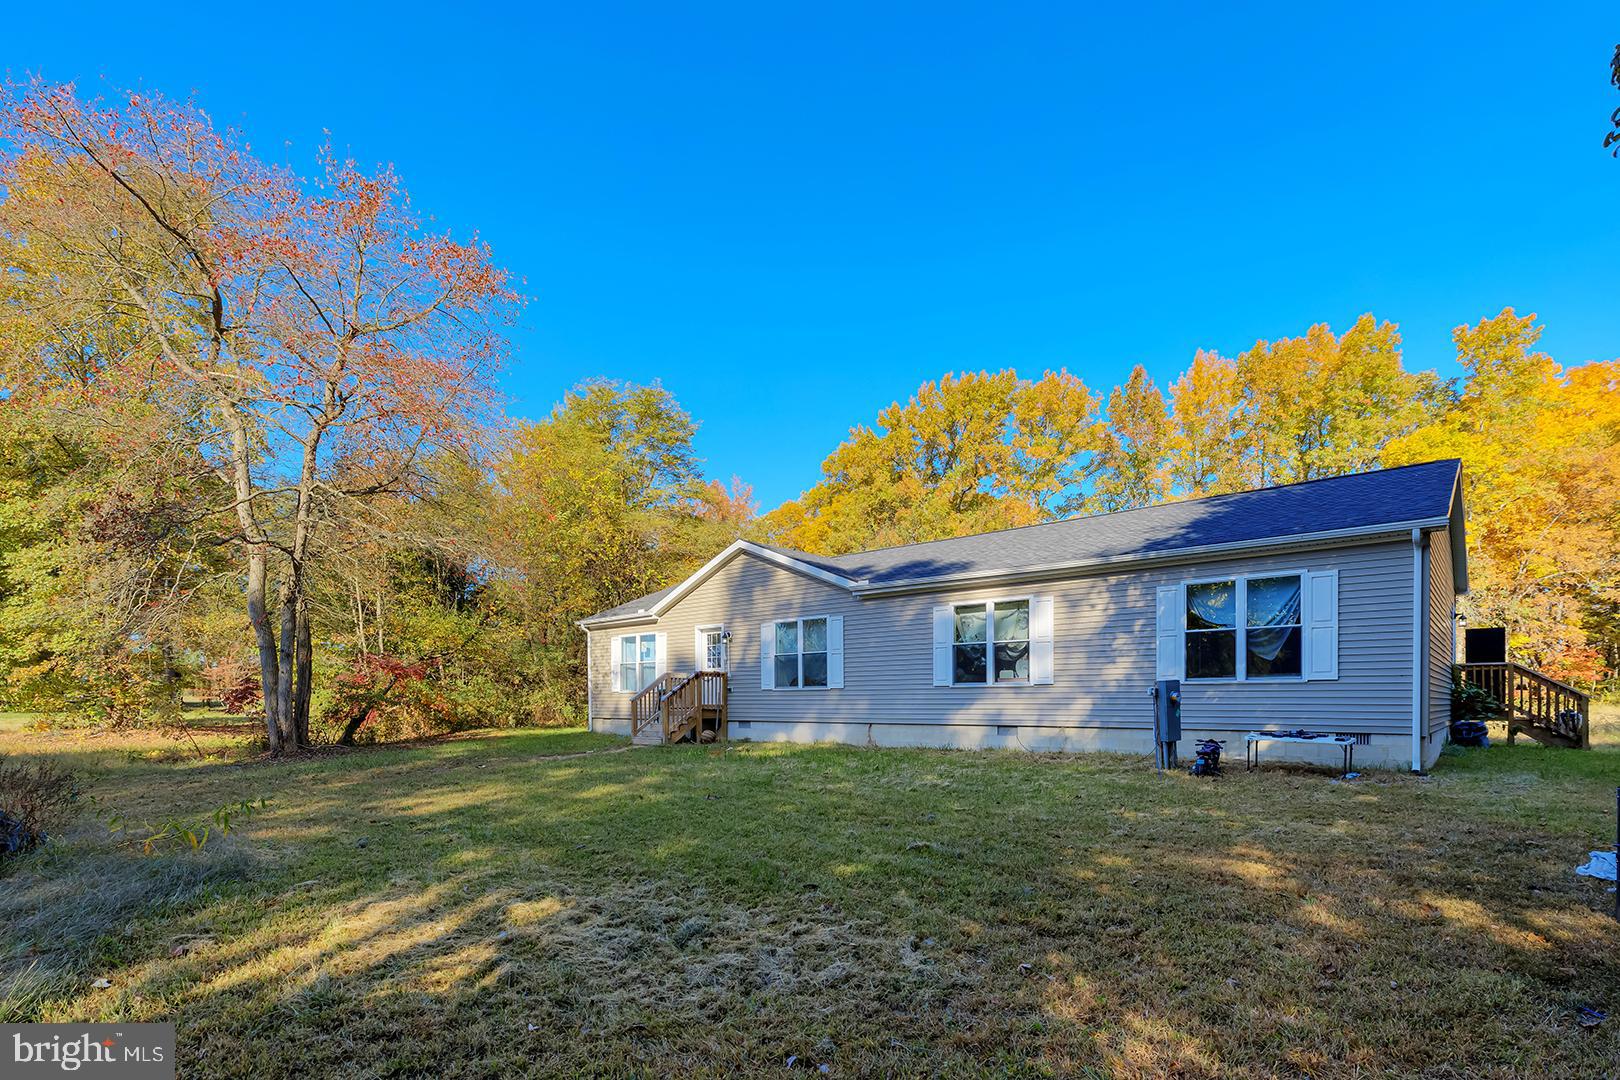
point(1420, 543)
point(590, 681)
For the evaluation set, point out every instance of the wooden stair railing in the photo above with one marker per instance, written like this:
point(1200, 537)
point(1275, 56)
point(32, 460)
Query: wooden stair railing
point(679, 707)
point(1543, 708)
point(645, 707)
point(676, 704)
point(685, 703)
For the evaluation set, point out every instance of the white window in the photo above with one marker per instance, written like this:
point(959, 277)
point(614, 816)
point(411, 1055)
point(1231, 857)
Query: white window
point(1212, 630)
point(636, 664)
point(991, 642)
point(987, 642)
point(1244, 628)
point(802, 654)
point(1273, 634)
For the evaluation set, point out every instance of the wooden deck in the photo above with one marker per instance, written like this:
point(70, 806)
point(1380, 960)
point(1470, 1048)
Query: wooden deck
point(679, 707)
point(1550, 712)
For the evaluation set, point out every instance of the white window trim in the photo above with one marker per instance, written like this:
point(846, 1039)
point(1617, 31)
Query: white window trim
point(1241, 583)
point(613, 667)
point(990, 640)
point(827, 652)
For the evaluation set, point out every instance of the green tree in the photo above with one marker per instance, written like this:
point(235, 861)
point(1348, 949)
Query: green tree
point(1323, 405)
point(601, 502)
point(966, 454)
point(1541, 454)
point(107, 559)
point(1205, 455)
point(1134, 464)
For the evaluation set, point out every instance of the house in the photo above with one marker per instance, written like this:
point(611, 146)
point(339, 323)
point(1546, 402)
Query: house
point(1328, 605)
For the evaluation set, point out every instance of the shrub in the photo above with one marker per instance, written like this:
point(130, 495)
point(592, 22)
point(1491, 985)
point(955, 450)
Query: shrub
point(33, 797)
point(191, 832)
point(380, 698)
point(553, 705)
point(1472, 703)
point(480, 701)
point(240, 696)
point(234, 682)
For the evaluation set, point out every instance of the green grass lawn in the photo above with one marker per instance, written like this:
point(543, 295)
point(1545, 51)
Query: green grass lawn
point(501, 905)
point(1605, 721)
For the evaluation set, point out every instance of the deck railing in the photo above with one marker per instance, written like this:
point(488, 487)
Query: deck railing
point(685, 701)
point(675, 702)
point(1530, 699)
point(646, 708)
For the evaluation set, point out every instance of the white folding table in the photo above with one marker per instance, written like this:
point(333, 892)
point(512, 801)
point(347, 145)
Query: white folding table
point(1252, 741)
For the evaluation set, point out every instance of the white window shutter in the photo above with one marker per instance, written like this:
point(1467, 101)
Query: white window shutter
point(699, 653)
point(944, 635)
point(1040, 640)
point(1322, 625)
point(835, 652)
point(1168, 617)
point(616, 661)
point(662, 654)
point(767, 656)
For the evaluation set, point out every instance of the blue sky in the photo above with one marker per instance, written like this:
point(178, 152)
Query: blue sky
point(792, 215)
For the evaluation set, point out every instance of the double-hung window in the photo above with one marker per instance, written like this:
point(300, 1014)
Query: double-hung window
point(990, 642)
point(801, 653)
point(1273, 636)
point(1244, 627)
point(638, 662)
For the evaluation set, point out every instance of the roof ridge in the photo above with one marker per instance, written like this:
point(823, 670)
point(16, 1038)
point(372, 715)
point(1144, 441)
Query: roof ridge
point(1138, 509)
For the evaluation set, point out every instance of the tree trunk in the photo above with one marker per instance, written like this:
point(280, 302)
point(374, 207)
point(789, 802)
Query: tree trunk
point(358, 716)
point(288, 603)
point(259, 617)
point(258, 559)
point(292, 688)
point(306, 672)
point(360, 618)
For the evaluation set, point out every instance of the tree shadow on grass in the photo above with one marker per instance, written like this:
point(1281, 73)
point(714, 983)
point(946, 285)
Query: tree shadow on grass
point(677, 911)
point(65, 909)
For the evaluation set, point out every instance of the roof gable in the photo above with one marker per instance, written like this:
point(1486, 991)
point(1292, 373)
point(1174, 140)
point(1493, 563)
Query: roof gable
point(654, 604)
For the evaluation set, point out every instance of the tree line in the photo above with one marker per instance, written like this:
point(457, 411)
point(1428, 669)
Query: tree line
point(248, 450)
point(1540, 446)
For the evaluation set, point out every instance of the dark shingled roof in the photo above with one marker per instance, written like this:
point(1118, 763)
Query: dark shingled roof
point(1360, 501)
point(1386, 497)
point(631, 607)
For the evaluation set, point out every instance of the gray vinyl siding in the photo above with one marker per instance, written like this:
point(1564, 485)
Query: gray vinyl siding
point(1103, 651)
point(1442, 627)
